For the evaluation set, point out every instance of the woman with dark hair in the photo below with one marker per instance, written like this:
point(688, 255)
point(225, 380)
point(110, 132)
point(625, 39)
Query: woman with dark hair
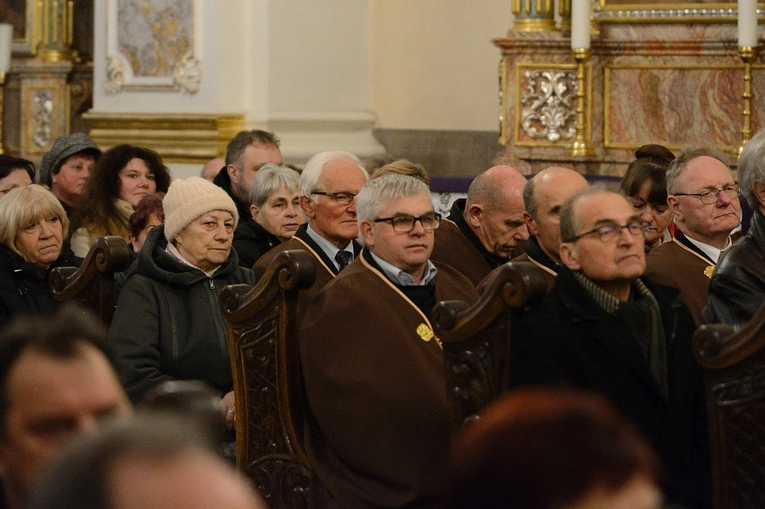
point(122, 176)
point(645, 186)
point(147, 215)
point(15, 172)
point(551, 449)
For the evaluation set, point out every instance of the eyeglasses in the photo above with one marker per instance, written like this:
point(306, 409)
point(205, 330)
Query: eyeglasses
point(404, 223)
point(609, 232)
point(341, 198)
point(709, 196)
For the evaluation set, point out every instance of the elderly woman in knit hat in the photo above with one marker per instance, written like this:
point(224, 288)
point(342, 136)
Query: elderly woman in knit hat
point(66, 167)
point(168, 324)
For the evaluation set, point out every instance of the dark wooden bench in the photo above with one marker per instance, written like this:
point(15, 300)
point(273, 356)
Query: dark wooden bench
point(265, 359)
point(476, 339)
point(92, 284)
point(734, 378)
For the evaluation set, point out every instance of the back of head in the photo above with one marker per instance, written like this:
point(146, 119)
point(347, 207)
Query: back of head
point(544, 449)
point(83, 477)
point(10, 163)
point(650, 166)
point(243, 139)
point(404, 167)
point(311, 175)
point(751, 168)
point(150, 205)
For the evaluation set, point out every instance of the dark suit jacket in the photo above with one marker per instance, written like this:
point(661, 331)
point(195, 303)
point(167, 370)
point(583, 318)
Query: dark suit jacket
point(325, 267)
point(570, 341)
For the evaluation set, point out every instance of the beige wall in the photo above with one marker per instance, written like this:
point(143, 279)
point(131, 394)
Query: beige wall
point(434, 65)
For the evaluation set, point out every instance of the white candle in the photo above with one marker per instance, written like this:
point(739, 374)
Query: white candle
point(6, 39)
point(580, 24)
point(747, 23)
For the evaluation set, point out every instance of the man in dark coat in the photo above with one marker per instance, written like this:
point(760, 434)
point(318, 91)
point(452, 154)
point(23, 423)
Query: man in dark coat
point(378, 430)
point(737, 289)
point(543, 196)
point(245, 154)
point(484, 230)
point(328, 187)
point(605, 329)
point(704, 200)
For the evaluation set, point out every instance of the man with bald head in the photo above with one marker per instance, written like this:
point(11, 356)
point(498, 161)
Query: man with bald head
point(543, 196)
point(483, 230)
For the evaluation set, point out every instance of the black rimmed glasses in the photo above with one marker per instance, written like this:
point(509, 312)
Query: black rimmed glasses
point(711, 196)
point(609, 232)
point(341, 198)
point(404, 223)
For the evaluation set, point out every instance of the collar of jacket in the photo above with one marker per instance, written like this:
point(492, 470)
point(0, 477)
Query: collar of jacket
point(456, 215)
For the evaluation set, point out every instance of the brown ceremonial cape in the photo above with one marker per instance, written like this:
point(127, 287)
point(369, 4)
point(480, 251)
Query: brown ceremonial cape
point(378, 429)
point(453, 248)
point(681, 266)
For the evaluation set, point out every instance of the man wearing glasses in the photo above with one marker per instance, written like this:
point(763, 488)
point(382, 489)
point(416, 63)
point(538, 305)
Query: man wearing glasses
point(704, 200)
point(373, 367)
point(328, 187)
point(605, 329)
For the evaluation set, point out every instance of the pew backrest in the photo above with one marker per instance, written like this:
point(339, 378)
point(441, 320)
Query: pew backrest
point(734, 378)
point(92, 284)
point(267, 375)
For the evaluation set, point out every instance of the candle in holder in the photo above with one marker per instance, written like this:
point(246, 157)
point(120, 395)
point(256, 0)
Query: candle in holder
point(6, 39)
point(747, 23)
point(580, 24)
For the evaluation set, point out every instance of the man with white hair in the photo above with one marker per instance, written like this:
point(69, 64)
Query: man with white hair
point(328, 187)
point(487, 228)
point(373, 367)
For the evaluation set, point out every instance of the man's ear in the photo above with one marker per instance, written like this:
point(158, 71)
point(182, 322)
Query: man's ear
point(254, 212)
point(674, 205)
point(307, 204)
point(474, 213)
point(569, 256)
point(233, 173)
point(367, 233)
point(531, 225)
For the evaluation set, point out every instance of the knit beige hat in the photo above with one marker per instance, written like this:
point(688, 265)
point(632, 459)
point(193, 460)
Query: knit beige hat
point(190, 198)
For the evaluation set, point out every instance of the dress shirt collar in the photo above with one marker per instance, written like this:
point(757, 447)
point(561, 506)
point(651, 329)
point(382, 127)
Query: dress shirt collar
point(400, 277)
point(329, 248)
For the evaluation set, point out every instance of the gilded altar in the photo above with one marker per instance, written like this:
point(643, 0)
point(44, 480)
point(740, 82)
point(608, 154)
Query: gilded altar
point(666, 73)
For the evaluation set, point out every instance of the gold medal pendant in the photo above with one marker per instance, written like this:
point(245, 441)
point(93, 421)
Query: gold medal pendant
point(426, 333)
point(709, 270)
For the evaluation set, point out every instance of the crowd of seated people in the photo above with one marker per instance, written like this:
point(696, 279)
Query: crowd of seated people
point(628, 267)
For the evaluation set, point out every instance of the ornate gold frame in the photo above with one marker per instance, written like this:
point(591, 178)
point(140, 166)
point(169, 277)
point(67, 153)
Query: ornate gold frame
point(518, 118)
point(27, 45)
point(607, 97)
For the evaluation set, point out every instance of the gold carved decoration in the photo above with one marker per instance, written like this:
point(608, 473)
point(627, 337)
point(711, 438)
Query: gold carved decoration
point(650, 11)
point(178, 138)
point(44, 117)
point(546, 100)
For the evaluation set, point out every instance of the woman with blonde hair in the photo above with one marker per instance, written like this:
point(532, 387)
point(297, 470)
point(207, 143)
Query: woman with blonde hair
point(32, 242)
point(122, 176)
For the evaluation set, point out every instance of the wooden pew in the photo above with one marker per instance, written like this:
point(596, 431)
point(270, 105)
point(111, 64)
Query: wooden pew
point(92, 284)
point(476, 339)
point(265, 359)
point(734, 378)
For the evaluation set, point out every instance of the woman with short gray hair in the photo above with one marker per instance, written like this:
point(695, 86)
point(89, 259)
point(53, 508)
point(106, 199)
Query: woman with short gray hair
point(275, 211)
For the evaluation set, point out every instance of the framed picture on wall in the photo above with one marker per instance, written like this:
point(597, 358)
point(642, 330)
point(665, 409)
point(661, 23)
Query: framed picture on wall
point(21, 14)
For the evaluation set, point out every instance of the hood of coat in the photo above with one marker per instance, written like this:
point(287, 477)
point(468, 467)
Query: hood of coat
point(12, 262)
point(156, 262)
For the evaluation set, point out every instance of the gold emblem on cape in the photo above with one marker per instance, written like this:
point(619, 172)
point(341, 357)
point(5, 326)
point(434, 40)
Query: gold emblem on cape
point(709, 270)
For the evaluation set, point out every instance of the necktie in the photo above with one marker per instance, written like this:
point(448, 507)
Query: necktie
point(343, 258)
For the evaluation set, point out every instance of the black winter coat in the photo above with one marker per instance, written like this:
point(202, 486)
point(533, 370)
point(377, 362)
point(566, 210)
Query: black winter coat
point(568, 340)
point(24, 287)
point(168, 324)
point(252, 241)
